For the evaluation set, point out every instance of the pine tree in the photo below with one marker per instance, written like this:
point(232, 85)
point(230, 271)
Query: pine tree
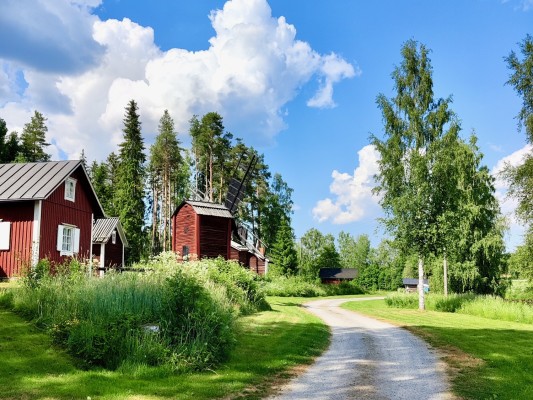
point(33, 140)
point(129, 189)
point(211, 147)
point(165, 177)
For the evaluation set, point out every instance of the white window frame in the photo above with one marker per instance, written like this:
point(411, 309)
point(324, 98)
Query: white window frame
point(114, 237)
point(68, 233)
point(70, 189)
point(5, 235)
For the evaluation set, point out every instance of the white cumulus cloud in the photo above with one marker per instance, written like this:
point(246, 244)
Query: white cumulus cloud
point(352, 194)
point(508, 204)
point(252, 68)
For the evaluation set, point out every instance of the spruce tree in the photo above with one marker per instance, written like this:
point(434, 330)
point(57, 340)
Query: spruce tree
point(11, 148)
point(33, 140)
point(283, 252)
point(129, 189)
point(3, 136)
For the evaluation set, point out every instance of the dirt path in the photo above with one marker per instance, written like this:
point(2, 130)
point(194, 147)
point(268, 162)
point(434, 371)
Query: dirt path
point(368, 359)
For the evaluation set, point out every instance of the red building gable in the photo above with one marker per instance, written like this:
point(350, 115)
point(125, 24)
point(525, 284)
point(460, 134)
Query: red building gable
point(46, 211)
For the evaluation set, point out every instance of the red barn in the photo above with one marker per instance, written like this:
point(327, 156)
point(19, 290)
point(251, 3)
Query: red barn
point(109, 242)
point(46, 211)
point(202, 229)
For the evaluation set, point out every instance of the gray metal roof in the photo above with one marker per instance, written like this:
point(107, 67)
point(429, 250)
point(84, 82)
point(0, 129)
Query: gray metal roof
point(338, 273)
point(413, 281)
point(33, 181)
point(212, 209)
point(104, 227)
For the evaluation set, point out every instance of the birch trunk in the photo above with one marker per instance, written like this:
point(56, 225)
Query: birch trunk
point(421, 300)
point(445, 267)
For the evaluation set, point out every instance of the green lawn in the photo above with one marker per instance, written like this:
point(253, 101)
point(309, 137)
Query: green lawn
point(269, 345)
point(488, 359)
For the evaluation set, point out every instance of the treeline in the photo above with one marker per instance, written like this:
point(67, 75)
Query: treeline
point(143, 186)
point(379, 268)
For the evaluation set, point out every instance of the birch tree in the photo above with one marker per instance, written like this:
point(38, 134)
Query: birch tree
point(414, 123)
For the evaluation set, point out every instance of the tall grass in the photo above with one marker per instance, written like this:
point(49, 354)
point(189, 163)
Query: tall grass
point(498, 308)
point(483, 306)
point(178, 315)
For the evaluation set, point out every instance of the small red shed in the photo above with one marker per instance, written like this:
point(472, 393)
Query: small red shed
point(46, 211)
point(249, 257)
point(109, 242)
point(202, 229)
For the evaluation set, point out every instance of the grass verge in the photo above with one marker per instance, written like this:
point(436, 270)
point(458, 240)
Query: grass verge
point(488, 359)
point(270, 345)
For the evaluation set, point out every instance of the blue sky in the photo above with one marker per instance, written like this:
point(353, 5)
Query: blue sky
point(296, 79)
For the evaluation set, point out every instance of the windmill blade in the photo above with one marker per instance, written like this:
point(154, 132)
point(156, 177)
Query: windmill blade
point(236, 187)
point(235, 195)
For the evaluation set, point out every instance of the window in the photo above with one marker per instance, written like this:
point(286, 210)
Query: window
point(114, 237)
point(5, 235)
point(185, 252)
point(70, 189)
point(68, 240)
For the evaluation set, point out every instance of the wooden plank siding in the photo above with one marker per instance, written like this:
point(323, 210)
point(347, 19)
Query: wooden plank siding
point(214, 236)
point(256, 264)
point(56, 210)
point(14, 260)
point(184, 230)
point(113, 253)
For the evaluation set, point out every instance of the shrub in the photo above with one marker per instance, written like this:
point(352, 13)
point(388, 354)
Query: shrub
point(293, 286)
point(241, 285)
point(198, 320)
point(402, 300)
point(344, 288)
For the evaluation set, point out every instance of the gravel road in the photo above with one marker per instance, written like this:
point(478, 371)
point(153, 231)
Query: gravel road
point(369, 360)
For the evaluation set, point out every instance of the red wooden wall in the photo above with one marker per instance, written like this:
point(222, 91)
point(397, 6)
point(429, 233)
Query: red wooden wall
point(113, 253)
point(184, 230)
point(57, 211)
point(20, 214)
point(215, 234)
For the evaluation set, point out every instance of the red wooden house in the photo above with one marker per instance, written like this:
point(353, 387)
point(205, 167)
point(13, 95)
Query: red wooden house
point(109, 242)
point(46, 211)
point(203, 229)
